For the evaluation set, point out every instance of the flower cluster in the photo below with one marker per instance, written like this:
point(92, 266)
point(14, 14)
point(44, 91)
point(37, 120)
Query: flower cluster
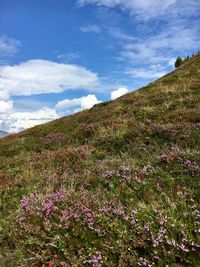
point(142, 234)
point(144, 262)
point(94, 260)
point(190, 166)
point(123, 173)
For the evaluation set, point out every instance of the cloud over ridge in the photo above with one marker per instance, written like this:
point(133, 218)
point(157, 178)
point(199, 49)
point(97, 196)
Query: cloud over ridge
point(118, 92)
point(77, 104)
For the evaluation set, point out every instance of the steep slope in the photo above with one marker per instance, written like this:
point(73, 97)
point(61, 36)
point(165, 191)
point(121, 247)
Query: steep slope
point(160, 101)
point(116, 185)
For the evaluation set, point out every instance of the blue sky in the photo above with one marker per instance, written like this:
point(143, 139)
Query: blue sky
point(58, 57)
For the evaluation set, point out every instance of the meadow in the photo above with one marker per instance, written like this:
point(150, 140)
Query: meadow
point(116, 185)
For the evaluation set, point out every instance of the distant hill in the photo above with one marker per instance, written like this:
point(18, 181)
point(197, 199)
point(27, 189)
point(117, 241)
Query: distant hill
point(116, 185)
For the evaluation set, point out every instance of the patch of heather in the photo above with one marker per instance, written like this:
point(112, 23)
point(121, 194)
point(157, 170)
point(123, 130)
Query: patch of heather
point(67, 223)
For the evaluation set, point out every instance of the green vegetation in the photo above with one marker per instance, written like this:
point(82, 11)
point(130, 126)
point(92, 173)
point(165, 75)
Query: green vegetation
point(180, 61)
point(116, 185)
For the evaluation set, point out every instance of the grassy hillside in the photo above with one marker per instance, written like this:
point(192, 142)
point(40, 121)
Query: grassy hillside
point(116, 185)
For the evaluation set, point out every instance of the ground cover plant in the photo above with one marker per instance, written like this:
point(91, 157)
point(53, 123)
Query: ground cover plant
point(116, 185)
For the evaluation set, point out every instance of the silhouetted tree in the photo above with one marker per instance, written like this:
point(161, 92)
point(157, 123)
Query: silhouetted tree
point(178, 62)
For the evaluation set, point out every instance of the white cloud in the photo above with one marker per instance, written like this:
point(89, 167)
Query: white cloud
point(42, 76)
point(119, 92)
point(17, 121)
point(8, 46)
point(36, 77)
point(14, 120)
point(5, 106)
point(146, 9)
point(158, 48)
point(145, 73)
point(69, 106)
point(171, 61)
point(91, 28)
point(4, 94)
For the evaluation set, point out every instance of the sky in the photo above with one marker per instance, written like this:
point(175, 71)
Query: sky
point(58, 57)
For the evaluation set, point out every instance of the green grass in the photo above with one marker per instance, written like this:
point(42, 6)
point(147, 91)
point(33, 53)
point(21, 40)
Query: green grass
point(116, 185)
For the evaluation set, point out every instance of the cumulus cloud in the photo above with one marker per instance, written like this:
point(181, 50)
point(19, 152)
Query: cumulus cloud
point(42, 76)
point(16, 121)
point(69, 106)
point(37, 77)
point(119, 92)
point(146, 9)
point(5, 106)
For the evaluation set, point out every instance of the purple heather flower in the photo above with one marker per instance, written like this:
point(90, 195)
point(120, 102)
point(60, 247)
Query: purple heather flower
point(146, 169)
point(190, 166)
point(125, 169)
point(59, 195)
point(108, 175)
point(49, 207)
point(95, 260)
point(144, 262)
point(26, 202)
